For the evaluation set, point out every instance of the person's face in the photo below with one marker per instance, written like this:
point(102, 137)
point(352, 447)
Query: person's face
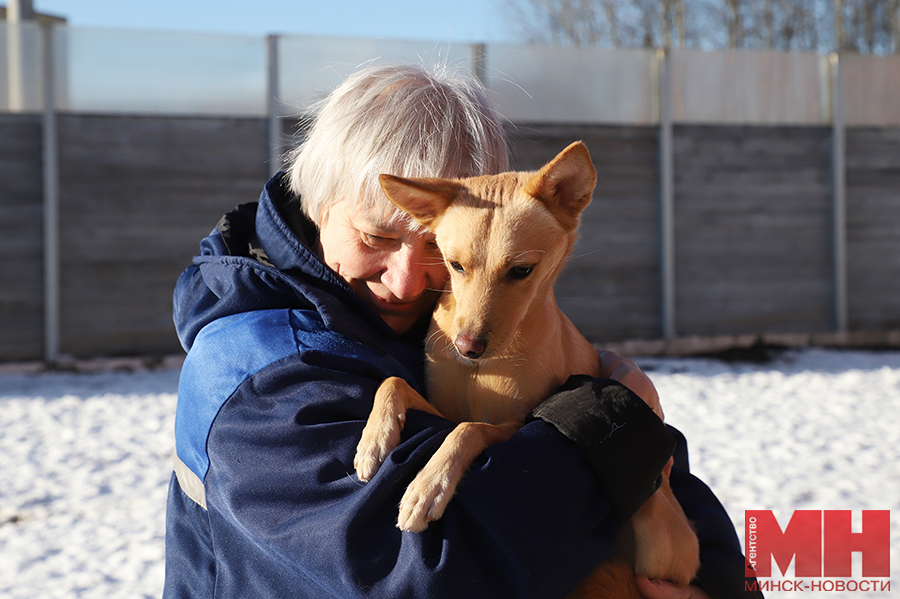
point(398, 273)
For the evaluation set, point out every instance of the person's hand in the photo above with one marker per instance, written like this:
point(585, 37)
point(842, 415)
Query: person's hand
point(660, 589)
point(616, 367)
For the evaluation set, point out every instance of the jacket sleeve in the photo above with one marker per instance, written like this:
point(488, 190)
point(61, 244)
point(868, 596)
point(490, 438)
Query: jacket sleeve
point(626, 443)
point(721, 561)
point(530, 519)
point(594, 414)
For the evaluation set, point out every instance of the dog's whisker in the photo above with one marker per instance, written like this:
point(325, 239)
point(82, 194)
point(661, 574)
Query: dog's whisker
point(522, 253)
point(577, 256)
point(433, 336)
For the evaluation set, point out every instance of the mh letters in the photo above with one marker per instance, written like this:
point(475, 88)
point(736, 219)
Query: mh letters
point(820, 541)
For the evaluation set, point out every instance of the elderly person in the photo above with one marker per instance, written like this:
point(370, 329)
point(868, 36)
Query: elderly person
point(296, 309)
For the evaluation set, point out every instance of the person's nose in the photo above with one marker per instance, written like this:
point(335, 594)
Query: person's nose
point(406, 275)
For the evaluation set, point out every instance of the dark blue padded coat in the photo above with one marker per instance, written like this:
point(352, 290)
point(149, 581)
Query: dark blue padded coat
point(283, 362)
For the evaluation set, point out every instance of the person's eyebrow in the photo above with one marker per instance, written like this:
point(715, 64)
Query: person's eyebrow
point(372, 222)
point(395, 224)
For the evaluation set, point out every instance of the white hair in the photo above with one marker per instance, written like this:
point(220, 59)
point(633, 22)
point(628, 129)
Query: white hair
point(403, 120)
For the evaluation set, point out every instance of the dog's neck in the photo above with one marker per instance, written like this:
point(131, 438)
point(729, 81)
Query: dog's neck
point(545, 351)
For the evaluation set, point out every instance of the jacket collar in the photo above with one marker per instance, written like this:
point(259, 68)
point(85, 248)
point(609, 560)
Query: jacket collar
point(289, 248)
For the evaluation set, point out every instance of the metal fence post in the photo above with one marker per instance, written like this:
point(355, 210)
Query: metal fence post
point(667, 195)
point(478, 53)
point(839, 193)
point(51, 203)
point(273, 106)
point(18, 13)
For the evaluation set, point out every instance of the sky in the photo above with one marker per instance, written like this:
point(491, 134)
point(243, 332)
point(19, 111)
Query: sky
point(458, 21)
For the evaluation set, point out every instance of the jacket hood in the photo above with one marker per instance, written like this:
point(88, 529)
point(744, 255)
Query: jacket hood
point(255, 260)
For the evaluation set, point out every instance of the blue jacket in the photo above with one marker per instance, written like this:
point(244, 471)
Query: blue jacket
point(283, 362)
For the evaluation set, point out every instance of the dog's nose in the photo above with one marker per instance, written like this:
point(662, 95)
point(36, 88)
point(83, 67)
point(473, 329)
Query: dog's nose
point(470, 346)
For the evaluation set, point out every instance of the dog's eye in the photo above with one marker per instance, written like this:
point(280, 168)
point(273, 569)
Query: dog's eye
point(457, 267)
point(520, 272)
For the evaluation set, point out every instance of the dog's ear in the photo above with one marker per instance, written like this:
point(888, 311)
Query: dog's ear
point(565, 184)
point(423, 199)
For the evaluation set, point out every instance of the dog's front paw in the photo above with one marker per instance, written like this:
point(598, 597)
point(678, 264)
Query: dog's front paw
point(425, 500)
point(378, 440)
point(666, 543)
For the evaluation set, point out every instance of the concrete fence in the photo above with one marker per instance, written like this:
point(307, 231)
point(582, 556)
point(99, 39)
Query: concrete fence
point(738, 193)
point(753, 227)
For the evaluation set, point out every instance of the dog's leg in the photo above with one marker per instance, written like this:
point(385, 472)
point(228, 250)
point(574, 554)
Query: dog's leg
point(427, 496)
point(613, 579)
point(382, 431)
point(666, 543)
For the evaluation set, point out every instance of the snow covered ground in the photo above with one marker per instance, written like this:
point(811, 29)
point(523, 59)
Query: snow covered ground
point(85, 459)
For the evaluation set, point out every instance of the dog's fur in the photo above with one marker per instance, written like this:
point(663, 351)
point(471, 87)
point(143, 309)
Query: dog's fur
point(499, 345)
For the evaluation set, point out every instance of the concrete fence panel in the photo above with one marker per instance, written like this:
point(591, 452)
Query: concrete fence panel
point(873, 227)
point(21, 269)
point(137, 195)
point(752, 213)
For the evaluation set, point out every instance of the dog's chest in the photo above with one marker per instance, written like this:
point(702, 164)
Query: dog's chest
point(494, 393)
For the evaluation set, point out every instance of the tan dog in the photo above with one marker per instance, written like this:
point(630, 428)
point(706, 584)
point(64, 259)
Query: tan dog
point(499, 345)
